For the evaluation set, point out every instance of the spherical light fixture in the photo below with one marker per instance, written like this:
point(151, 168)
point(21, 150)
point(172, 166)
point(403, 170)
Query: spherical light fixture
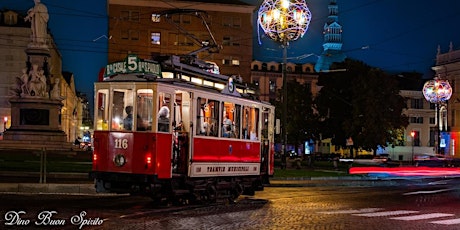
point(284, 20)
point(437, 91)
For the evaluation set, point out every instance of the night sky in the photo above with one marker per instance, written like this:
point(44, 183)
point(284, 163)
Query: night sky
point(394, 35)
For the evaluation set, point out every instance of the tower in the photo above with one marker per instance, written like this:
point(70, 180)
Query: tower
point(332, 46)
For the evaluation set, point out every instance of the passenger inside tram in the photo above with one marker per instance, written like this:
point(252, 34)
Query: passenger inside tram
point(163, 118)
point(227, 127)
point(128, 120)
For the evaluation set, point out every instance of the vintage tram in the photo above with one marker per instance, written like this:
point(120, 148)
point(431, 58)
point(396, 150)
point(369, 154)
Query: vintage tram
point(176, 130)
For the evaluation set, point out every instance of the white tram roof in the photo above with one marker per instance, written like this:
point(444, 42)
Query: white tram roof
point(173, 70)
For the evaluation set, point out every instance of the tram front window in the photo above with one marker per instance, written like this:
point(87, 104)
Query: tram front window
point(144, 109)
point(122, 109)
point(102, 111)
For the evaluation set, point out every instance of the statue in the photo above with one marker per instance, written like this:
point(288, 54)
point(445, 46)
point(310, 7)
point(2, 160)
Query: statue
point(37, 83)
point(38, 17)
point(55, 92)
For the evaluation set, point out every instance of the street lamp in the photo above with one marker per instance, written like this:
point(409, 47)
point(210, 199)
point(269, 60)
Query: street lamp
point(284, 21)
point(438, 91)
point(412, 134)
point(5, 120)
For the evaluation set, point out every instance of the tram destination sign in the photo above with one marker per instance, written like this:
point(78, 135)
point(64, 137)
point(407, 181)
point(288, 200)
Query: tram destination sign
point(133, 64)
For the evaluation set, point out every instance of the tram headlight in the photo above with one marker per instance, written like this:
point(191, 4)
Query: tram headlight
point(119, 160)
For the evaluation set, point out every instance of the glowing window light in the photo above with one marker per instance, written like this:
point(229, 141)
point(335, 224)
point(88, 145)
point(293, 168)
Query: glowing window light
point(185, 77)
point(167, 75)
point(208, 83)
point(219, 86)
point(436, 91)
point(284, 20)
point(197, 80)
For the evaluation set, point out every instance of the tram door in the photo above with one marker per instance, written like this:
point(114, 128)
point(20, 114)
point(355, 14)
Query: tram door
point(182, 131)
point(265, 141)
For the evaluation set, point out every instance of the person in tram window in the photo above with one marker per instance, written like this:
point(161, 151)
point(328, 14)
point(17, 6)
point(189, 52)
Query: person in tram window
point(163, 119)
point(227, 127)
point(128, 120)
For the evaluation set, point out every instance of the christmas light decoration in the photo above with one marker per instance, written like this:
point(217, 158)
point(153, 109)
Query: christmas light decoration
point(437, 91)
point(284, 20)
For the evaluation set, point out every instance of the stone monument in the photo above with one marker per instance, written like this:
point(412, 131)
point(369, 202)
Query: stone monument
point(35, 103)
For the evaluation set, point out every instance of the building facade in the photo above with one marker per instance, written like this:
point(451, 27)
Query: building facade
point(153, 28)
point(268, 78)
point(448, 68)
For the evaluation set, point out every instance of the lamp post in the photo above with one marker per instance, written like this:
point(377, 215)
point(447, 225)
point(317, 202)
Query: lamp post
point(438, 91)
point(284, 21)
point(5, 120)
point(412, 134)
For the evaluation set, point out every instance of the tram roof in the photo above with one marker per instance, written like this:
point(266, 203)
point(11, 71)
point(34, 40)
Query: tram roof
point(177, 70)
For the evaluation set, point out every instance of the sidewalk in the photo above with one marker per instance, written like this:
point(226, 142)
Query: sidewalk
point(79, 184)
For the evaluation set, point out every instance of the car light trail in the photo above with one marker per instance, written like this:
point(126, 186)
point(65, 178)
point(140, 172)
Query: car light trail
point(406, 171)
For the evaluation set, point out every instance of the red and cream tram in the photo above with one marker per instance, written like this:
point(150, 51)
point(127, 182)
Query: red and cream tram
point(175, 131)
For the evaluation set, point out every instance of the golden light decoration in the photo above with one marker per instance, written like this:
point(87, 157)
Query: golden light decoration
point(437, 90)
point(284, 20)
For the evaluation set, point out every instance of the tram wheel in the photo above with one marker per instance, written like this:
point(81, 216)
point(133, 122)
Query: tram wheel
point(211, 194)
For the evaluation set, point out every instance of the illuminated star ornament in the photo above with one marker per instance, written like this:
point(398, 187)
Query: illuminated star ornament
point(284, 20)
point(437, 91)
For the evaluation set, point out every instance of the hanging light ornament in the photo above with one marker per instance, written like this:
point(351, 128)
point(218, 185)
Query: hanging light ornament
point(437, 90)
point(284, 20)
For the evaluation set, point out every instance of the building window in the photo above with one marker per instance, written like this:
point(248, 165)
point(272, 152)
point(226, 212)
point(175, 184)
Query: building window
point(416, 120)
point(130, 16)
point(432, 120)
point(134, 16)
point(134, 35)
point(155, 38)
point(433, 134)
point(272, 85)
point(237, 22)
point(156, 17)
point(186, 19)
point(227, 61)
point(416, 103)
point(228, 21)
point(255, 82)
point(124, 34)
point(176, 18)
point(416, 138)
point(236, 62)
point(226, 41)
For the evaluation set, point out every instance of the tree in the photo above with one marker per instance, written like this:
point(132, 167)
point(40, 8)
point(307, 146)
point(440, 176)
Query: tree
point(301, 119)
point(362, 103)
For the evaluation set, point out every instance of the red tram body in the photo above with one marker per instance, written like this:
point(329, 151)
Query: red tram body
point(196, 134)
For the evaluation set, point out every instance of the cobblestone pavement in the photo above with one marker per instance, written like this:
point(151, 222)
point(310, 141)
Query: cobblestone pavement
point(314, 208)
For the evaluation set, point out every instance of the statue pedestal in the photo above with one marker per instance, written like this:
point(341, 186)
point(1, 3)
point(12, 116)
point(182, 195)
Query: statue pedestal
point(35, 119)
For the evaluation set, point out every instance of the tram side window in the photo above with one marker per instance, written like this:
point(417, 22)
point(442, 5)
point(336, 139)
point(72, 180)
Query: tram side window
point(102, 110)
point(164, 111)
point(144, 109)
point(231, 120)
point(122, 109)
point(250, 123)
point(207, 117)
